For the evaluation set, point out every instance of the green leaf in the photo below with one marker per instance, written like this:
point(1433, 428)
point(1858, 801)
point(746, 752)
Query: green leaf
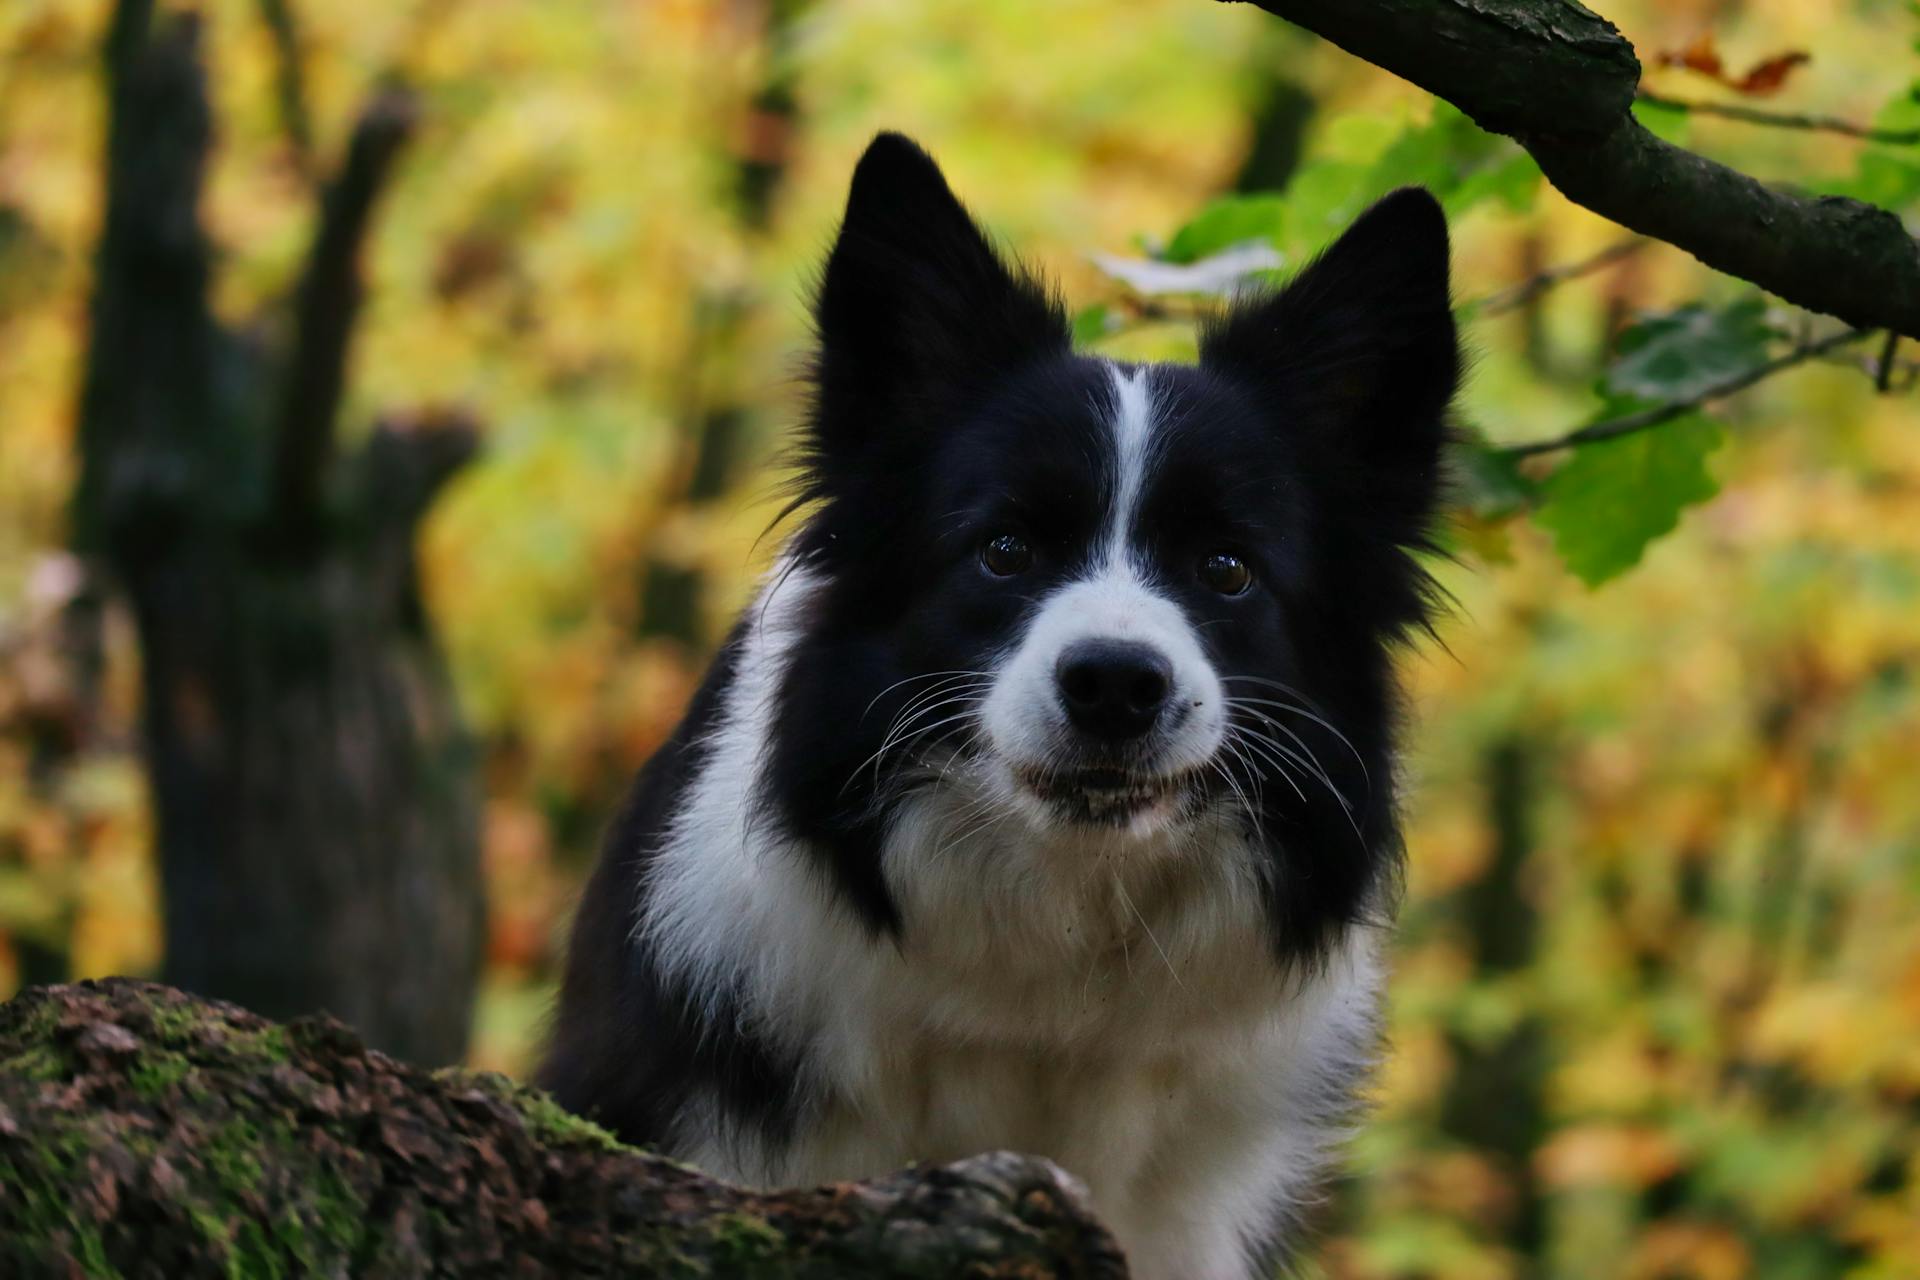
point(1512, 181)
point(1094, 323)
point(1682, 353)
point(1226, 222)
point(1452, 157)
point(1458, 161)
point(1669, 124)
point(1887, 175)
point(1613, 497)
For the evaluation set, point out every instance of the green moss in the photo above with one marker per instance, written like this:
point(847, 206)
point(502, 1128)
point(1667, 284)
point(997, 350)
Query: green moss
point(175, 1022)
point(318, 1232)
point(36, 1063)
point(322, 1231)
point(28, 1038)
point(740, 1239)
point(550, 1122)
point(231, 1156)
point(545, 1119)
point(40, 1220)
point(186, 1027)
point(255, 1254)
point(154, 1074)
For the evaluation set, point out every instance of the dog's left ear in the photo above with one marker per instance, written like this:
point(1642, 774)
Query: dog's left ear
point(916, 312)
point(1359, 353)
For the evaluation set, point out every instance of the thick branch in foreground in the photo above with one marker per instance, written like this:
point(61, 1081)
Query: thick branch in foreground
point(144, 1132)
point(1561, 81)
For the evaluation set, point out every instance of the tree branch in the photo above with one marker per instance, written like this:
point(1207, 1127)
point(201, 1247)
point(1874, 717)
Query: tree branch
point(1561, 81)
point(146, 1132)
point(329, 300)
point(1614, 428)
point(1781, 120)
point(1533, 286)
point(289, 81)
point(408, 458)
point(1883, 369)
point(147, 396)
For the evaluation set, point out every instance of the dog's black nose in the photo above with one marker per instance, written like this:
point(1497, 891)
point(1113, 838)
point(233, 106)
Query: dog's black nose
point(1113, 688)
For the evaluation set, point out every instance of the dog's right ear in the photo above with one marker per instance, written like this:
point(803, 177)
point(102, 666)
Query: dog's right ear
point(916, 312)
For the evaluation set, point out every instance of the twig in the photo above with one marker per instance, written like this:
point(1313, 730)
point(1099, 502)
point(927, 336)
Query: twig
point(1781, 120)
point(1534, 286)
point(329, 300)
point(290, 84)
point(1883, 371)
point(1613, 428)
point(1908, 370)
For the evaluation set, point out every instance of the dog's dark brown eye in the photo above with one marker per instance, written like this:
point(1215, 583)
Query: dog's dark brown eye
point(1006, 554)
point(1226, 573)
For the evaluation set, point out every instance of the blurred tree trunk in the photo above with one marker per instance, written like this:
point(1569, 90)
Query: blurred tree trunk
point(1495, 1099)
point(314, 795)
point(672, 589)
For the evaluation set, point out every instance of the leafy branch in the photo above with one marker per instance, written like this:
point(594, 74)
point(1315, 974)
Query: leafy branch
point(1781, 119)
point(1561, 80)
point(1627, 424)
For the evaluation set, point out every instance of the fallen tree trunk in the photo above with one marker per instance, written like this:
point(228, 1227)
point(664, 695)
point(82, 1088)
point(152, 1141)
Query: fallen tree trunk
point(145, 1132)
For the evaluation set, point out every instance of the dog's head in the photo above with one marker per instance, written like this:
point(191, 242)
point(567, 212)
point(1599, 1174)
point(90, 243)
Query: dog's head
point(1107, 599)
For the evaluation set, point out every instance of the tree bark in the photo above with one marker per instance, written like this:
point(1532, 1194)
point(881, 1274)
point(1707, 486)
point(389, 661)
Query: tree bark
point(1560, 80)
point(315, 799)
point(147, 1133)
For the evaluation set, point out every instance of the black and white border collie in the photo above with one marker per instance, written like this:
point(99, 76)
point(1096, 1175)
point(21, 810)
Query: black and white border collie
point(1043, 797)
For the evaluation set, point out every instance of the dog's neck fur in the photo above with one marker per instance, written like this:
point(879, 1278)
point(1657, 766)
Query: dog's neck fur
point(1109, 1001)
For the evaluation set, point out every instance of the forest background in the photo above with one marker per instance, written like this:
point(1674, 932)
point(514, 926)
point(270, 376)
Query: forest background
point(1657, 1004)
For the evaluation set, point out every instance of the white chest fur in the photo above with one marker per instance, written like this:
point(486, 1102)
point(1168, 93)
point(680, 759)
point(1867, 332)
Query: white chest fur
point(1105, 1001)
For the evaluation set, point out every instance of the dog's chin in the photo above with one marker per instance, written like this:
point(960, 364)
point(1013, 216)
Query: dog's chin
point(1134, 801)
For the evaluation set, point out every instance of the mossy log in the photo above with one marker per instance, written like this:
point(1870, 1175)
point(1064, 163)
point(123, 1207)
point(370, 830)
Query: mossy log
point(144, 1132)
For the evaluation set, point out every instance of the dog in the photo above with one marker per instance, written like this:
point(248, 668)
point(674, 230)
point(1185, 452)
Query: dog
point(1043, 798)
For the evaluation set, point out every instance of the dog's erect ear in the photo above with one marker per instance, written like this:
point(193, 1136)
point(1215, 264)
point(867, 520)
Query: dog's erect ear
point(916, 311)
point(1359, 353)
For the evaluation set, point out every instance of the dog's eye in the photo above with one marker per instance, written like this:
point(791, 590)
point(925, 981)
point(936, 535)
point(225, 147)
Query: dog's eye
point(1226, 573)
point(1006, 554)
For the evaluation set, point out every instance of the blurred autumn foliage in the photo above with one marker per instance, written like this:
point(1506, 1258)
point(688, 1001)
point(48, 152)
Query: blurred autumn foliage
point(1657, 1011)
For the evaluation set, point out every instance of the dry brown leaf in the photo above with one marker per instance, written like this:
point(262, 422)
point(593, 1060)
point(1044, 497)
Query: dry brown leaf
point(1763, 79)
point(1699, 56)
point(1768, 76)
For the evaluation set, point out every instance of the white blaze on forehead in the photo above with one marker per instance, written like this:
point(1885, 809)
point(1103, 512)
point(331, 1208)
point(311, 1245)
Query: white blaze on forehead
point(1115, 598)
point(1132, 425)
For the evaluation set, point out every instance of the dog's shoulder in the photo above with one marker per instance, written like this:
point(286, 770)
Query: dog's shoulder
point(630, 1041)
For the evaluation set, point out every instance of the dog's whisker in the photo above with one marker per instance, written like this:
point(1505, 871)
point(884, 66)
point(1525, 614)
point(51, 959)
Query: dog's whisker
point(1346, 806)
point(1306, 712)
point(1304, 755)
point(904, 731)
point(1147, 929)
point(1304, 759)
point(1279, 765)
point(929, 675)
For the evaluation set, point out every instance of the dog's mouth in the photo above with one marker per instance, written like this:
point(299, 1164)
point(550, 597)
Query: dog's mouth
point(1106, 797)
